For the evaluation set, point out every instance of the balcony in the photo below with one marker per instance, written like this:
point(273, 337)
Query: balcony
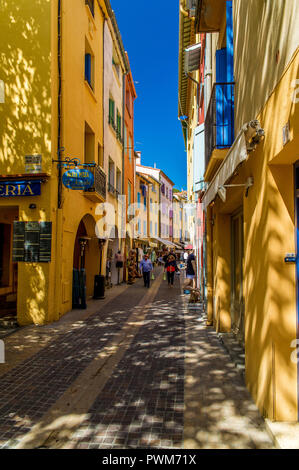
point(219, 123)
point(98, 191)
point(209, 15)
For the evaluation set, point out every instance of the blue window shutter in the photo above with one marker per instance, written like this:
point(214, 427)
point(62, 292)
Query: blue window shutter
point(221, 56)
point(88, 68)
point(224, 99)
point(229, 41)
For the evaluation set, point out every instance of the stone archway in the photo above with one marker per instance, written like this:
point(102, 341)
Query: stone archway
point(86, 254)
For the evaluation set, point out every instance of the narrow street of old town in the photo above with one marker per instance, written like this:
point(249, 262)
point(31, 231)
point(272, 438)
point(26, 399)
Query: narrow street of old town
point(149, 229)
point(139, 369)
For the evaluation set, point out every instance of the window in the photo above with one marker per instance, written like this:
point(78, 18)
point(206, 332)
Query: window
point(118, 125)
point(89, 65)
point(167, 193)
point(130, 148)
point(151, 228)
point(101, 155)
point(115, 62)
point(129, 193)
point(118, 181)
point(89, 145)
point(139, 199)
point(144, 227)
point(156, 229)
point(129, 102)
point(151, 205)
point(144, 203)
point(112, 112)
point(111, 173)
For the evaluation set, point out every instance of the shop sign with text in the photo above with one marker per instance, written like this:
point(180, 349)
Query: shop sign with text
point(20, 188)
point(78, 179)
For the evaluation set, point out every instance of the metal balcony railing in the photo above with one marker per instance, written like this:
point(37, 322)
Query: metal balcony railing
point(100, 179)
point(219, 122)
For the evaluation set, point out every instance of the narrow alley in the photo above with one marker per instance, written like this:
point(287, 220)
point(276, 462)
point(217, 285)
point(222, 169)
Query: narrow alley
point(139, 369)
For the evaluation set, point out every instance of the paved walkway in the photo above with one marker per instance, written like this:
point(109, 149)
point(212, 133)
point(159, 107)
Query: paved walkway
point(139, 370)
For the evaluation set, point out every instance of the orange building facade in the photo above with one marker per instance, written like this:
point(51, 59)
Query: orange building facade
point(129, 155)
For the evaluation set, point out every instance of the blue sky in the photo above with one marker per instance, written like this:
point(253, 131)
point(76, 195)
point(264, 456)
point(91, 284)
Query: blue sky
point(150, 35)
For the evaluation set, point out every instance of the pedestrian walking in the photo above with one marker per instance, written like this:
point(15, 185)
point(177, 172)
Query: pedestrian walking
point(190, 270)
point(153, 257)
point(171, 269)
point(119, 260)
point(146, 268)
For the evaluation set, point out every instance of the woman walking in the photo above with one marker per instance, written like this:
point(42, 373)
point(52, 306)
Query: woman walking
point(171, 268)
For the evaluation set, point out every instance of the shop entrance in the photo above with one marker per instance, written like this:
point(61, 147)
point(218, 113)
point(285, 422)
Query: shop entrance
point(8, 269)
point(237, 263)
point(86, 263)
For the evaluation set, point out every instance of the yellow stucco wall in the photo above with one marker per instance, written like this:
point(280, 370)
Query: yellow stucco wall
point(270, 284)
point(266, 35)
point(269, 234)
point(28, 125)
point(266, 65)
point(25, 129)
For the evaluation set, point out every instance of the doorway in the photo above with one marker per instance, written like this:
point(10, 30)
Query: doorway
point(237, 276)
point(86, 261)
point(8, 269)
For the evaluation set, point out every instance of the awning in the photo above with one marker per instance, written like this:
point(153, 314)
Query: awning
point(165, 242)
point(139, 239)
point(236, 155)
point(153, 245)
point(188, 247)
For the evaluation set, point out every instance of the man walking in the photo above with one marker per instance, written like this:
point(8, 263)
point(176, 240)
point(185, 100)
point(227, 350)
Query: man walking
point(146, 267)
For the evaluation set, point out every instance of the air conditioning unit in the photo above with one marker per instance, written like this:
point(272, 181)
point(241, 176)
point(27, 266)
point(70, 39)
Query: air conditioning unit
point(191, 6)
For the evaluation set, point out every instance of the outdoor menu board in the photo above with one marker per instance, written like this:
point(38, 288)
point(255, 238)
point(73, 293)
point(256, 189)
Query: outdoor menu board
point(18, 241)
point(32, 230)
point(32, 242)
point(45, 240)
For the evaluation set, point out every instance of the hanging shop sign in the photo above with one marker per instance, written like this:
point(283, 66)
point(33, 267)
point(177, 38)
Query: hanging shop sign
point(78, 179)
point(32, 242)
point(20, 188)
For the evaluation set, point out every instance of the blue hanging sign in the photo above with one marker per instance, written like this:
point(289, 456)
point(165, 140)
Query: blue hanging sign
point(78, 179)
point(20, 188)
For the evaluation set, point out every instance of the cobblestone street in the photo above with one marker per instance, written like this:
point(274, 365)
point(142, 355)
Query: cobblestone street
point(140, 371)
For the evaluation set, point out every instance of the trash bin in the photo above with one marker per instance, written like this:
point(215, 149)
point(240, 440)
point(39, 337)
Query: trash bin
point(99, 287)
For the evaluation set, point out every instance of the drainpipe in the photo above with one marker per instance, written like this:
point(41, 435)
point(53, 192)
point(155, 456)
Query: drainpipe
point(59, 104)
